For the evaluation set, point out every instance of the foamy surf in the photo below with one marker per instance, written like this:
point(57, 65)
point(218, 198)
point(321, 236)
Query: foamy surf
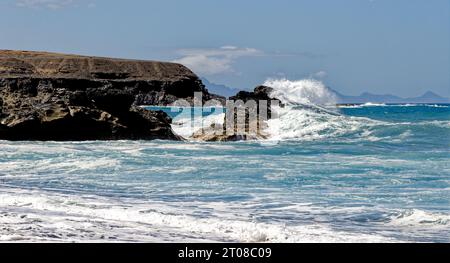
point(363, 174)
point(417, 218)
point(189, 192)
point(30, 215)
point(186, 126)
point(309, 113)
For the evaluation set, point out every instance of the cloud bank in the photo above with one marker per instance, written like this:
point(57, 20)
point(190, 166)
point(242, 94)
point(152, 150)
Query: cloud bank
point(210, 61)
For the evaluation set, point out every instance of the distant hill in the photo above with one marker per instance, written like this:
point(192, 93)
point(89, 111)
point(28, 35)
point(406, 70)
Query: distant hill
point(219, 89)
point(365, 97)
point(428, 97)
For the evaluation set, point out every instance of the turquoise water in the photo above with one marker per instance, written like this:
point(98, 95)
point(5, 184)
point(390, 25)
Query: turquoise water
point(363, 174)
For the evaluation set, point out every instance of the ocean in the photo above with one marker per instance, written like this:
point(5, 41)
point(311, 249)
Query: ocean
point(357, 173)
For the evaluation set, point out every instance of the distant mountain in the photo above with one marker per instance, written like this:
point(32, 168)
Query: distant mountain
point(428, 97)
point(219, 89)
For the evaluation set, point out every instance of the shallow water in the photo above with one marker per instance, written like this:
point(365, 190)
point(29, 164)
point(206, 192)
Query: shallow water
point(366, 174)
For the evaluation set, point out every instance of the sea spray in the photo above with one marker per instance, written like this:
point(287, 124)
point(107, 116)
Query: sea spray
point(309, 94)
point(305, 91)
point(309, 112)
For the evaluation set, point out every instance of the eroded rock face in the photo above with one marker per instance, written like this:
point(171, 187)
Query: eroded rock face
point(150, 82)
point(260, 93)
point(250, 128)
point(106, 114)
point(46, 96)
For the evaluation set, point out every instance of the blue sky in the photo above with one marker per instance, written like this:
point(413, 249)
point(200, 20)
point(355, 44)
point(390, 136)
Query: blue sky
point(381, 46)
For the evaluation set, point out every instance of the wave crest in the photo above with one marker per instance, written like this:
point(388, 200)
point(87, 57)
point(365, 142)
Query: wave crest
point(305, 91)
point(309, 113)
point(416, 217)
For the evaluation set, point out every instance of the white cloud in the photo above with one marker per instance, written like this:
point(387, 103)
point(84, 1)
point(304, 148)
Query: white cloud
point(50, 4)
point(206, 65)
point(210, 61)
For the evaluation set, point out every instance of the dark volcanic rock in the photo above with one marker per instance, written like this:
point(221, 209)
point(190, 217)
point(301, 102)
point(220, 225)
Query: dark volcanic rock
point(64, 115)
point(259, 93)
point(150, 82)
point(46, 96)
point(245, 128)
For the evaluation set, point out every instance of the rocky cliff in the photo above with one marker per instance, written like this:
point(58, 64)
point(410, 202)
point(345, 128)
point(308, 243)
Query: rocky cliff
point(48, 96)
point(153, 83)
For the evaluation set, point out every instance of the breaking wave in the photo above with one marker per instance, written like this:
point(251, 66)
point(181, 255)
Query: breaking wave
point(310, 113)
point(416, 217)
point(185, 125)
point(306, 91)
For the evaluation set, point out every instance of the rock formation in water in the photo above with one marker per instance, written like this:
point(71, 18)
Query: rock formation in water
point(259, 94)
point(250, 125)
point(48, 96)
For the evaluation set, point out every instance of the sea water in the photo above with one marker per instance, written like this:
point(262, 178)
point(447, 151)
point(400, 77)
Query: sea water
point(363, 173)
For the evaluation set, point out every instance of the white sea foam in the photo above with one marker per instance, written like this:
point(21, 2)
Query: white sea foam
point(307, 114)
point(372, 104)
point(30, 215)
point(305, 124)
point(191, 192)
point(437, 106)
point(356, 106)
point(416, 217)
point(185, 126)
